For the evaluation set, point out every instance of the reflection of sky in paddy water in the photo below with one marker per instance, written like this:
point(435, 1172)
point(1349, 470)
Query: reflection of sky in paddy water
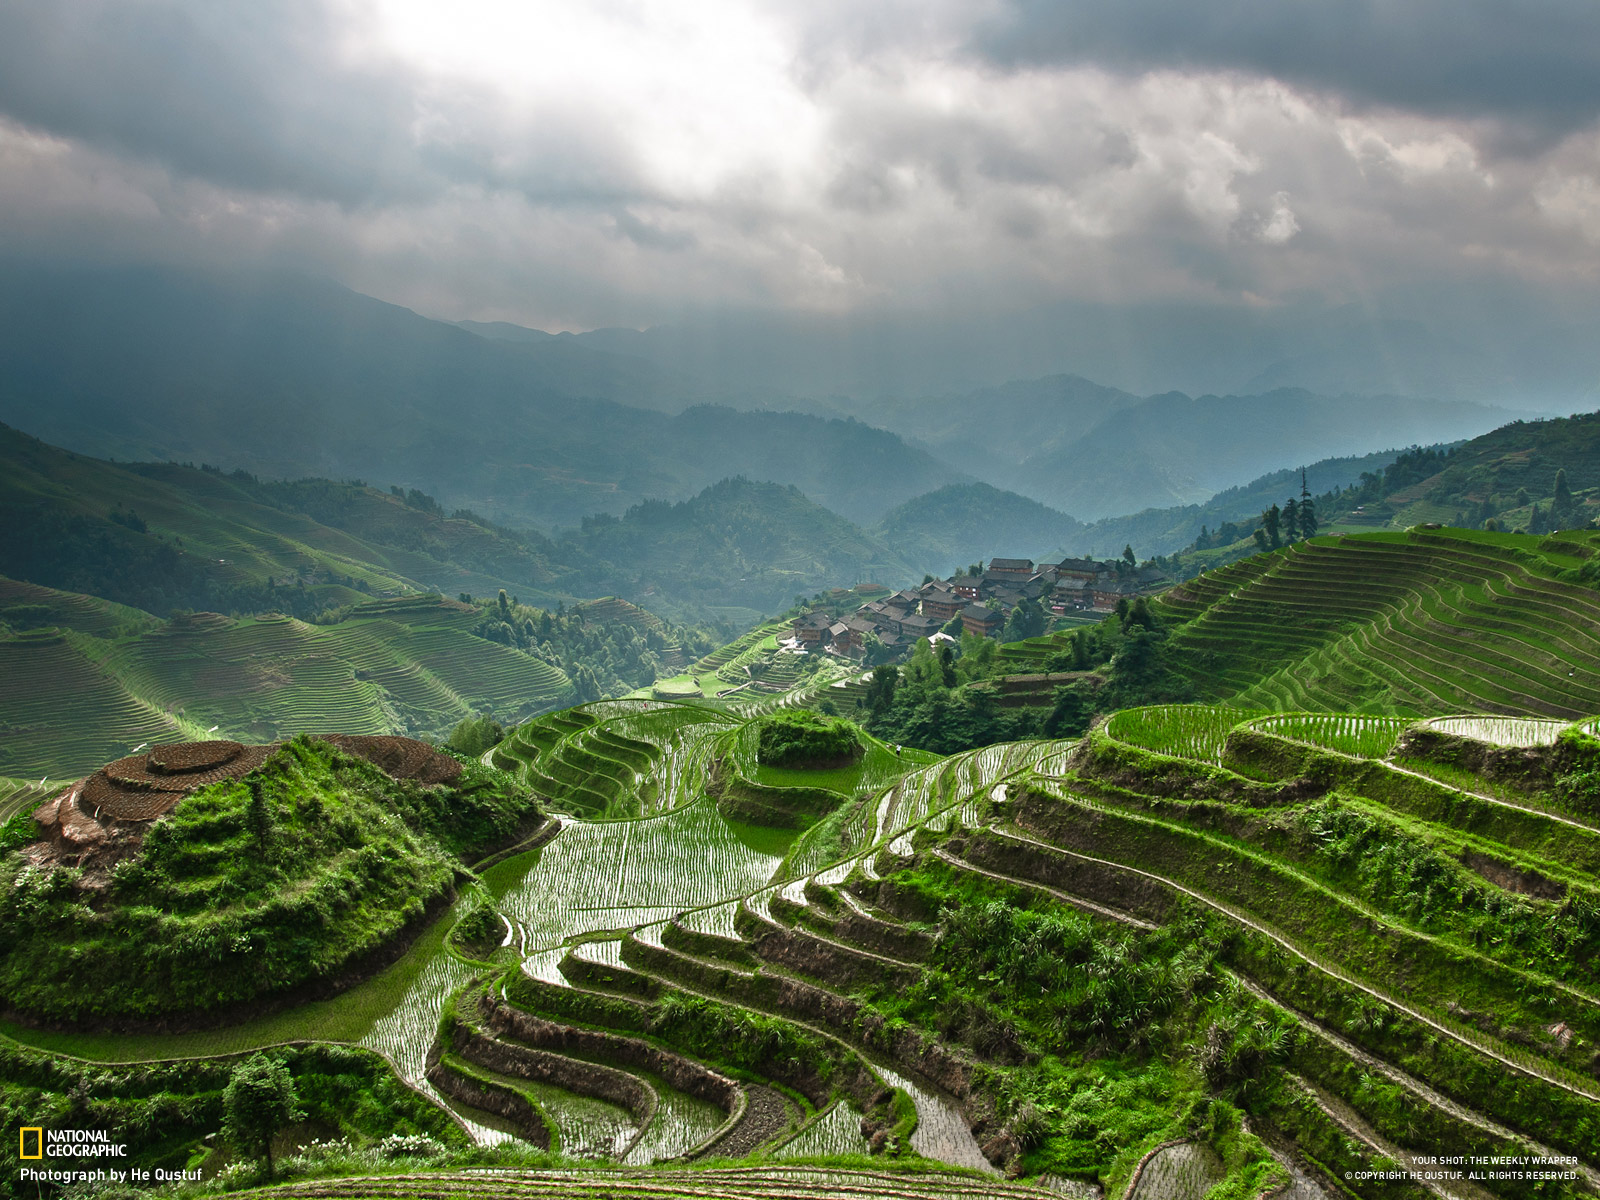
point(615, 875)
point(603, 876)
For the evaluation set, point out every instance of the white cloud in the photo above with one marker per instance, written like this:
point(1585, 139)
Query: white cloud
point(630, 162)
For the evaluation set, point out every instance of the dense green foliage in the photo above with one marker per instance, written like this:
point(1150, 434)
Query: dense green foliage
point(604, 654)
point(801, 738)
point(478, 931)
point(232, 900)
point(258, 1102)
point(947, 700)
point(1093, 1017)
point(1402, 873)
point(162, 1111)
point(473, 735)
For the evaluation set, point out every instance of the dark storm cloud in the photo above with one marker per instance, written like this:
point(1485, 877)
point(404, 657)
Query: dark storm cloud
point(245, 95)
point(1535, 63)
point(574, 166)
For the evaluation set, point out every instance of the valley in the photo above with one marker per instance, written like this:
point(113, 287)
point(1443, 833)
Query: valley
point(698, 850)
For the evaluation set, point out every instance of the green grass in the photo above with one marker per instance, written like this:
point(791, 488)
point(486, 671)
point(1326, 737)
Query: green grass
point(1359, 736)
point(1194, 731)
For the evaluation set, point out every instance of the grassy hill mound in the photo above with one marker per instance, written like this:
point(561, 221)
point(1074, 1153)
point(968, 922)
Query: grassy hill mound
point(1424, 622)
point(289, 880)
point(739, 542)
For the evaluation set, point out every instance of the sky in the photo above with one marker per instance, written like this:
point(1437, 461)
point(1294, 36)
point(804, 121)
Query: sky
point(925, 165)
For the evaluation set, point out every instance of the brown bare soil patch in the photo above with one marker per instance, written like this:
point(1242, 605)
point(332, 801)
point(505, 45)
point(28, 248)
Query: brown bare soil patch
point(399, 757)
point(182, 757)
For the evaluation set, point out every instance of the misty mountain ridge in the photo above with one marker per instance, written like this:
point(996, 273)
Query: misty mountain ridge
point(290, 376)
point(1525, 357)
point(1093, 451)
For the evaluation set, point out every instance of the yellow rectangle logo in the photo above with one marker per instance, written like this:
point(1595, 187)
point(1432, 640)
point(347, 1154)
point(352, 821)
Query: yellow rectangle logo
point(38, 1141)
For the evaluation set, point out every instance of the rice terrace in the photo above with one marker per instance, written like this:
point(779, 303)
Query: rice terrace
point(991, 606)
point(656, 947)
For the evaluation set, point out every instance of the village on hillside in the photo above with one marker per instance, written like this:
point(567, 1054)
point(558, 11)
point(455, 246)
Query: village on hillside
point(976, 601)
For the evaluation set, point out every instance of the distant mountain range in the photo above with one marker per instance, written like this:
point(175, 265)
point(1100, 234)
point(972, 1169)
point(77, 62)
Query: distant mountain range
point(1098, 452)
point(288, 377)
point(1528, 355)
point(159, 536)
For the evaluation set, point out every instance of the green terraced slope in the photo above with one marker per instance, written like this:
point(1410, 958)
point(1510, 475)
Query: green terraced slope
point(78, 698)
point(63, 714)
point(1276, 953)
point(1425, 622)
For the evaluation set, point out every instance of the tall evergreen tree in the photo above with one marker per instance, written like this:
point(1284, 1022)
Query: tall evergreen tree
point(1308, 508)
point(1291, 520)
point(1269, 522)
point(1561, 506)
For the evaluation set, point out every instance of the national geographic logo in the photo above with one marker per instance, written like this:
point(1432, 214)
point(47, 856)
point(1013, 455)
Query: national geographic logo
point(34, 1142)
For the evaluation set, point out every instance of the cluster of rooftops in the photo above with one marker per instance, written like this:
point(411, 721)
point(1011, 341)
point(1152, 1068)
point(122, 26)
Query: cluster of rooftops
point(981, 601)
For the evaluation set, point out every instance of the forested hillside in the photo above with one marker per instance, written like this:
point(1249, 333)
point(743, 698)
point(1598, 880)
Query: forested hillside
point(160, 536)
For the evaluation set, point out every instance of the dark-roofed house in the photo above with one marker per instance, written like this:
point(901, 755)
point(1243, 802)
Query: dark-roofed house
point(1016, 568)
point(853, 639)
point(919, 626)
point(1005, 592)
point(812, 629)
point(941, 606)
point(1077, 568)
point(1072, 592)
point(1108, 591)
point(983, 621)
